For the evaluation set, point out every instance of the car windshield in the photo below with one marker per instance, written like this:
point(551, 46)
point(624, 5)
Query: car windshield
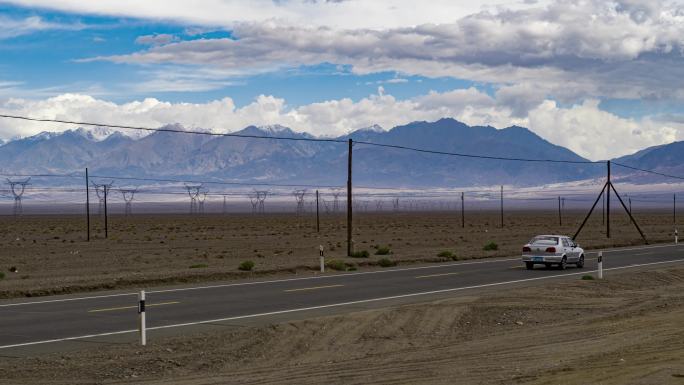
point(544, 240)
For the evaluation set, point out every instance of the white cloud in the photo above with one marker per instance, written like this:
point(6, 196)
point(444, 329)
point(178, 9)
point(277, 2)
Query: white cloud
point(568, 50)
point(375, 14)
point(156, 39)
point(13, 27)
point(584, 128)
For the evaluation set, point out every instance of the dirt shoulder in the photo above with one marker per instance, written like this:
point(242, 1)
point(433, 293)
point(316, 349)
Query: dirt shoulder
point(622, 330)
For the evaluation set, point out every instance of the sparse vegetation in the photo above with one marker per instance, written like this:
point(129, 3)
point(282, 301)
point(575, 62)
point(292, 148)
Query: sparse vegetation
point(360, 254)
point(383, 250)
point(2, 275)
point(386, 262)
point(336, 264)
point(588, 277)
point(199, 266)
point(445, 254)
point(246, 266)
point(491, 246)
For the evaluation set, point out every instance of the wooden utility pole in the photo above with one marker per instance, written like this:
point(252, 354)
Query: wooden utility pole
point(87, 206)
point(462, 209)
point(349, 198)
point(106, 190)
point(608, 184)
point(560, 215)
point(502, 215)
point(318, 221)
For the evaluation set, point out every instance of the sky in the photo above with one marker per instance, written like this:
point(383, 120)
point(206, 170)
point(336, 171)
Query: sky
point(603, 78)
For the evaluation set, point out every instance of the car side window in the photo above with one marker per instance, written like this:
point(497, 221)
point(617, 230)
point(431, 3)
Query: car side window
point(566, 243)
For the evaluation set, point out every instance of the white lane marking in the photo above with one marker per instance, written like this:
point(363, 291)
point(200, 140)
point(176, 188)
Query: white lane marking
point(437, 275)
point(309, 278)
point(311, 288)
point(337, 304)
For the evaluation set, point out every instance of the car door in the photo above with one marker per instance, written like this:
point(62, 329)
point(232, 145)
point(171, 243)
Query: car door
point(571, 251)
point(568, 250)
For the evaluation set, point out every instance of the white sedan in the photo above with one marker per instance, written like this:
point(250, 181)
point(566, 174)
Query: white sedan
point(552, 250)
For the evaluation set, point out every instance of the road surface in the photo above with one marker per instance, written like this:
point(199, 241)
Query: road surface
point(63, 319)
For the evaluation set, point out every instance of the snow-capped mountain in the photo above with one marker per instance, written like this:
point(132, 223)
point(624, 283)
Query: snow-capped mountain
point(165, 154)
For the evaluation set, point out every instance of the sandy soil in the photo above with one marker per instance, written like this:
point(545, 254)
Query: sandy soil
point(622, 330)
point(51, 255)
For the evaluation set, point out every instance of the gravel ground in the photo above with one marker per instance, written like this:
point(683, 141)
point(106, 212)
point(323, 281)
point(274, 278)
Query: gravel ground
point(51, 256)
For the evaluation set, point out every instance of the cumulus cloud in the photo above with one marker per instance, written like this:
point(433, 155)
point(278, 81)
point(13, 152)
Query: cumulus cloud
point(584, 128)
point(568, 49)
point(376, 14)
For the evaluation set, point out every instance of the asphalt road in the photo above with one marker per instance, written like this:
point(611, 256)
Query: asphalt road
point(59, 319)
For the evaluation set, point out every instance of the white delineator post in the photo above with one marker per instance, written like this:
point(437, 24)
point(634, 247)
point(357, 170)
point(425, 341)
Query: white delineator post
point(322, 257)
point(600, 265)
point(676, 237)
point(141, 313)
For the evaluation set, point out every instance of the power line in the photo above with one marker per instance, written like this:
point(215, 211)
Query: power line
point(648, 171)
point(148, 129)
point(172, 130)
point(478, 156)
point(211, 182)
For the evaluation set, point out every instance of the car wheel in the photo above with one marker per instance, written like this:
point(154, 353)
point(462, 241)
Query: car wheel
point(563, 264)
point(529, 265)
point(580, 263)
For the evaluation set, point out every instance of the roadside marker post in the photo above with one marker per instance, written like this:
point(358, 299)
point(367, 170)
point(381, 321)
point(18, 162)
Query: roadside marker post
point(141, 318)
point(322, 257)
point(676, 237)
point(600, 265)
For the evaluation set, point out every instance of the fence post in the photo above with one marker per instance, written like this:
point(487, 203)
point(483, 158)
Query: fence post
point(141, 312)
point(600, 265)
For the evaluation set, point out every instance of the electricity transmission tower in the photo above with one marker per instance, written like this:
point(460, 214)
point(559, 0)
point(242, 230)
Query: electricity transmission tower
point(254, 200)
point(193, 193)
point(395, 204)
point(128, 195)
point(261, 198)
point(336, 200)
point(201, 197)
point(101, 190)
point(299, 196)
point(378, 205)
point(18, 187)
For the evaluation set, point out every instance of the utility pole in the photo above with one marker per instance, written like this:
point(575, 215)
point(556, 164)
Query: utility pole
point(349, 198)
point(674, 209)
point(608, 184)
point(106, 190)
point(560, 215)
point(318, 220)
point(87, 206)
point(462, 209)
point(502, 214)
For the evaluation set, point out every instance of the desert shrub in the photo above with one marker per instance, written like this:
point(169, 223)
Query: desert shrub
point(588, 277)
point(360, 254)
point(490, 246)
point(199, 266)
point(386, 262)
point(2, 275)
point(445, 254)
point(383, 250)
point(336, 264)
point(246, 265)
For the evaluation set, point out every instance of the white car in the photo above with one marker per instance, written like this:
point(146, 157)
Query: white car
point(552, 250)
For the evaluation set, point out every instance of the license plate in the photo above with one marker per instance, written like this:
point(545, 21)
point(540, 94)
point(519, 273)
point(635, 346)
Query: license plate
point(537, 259)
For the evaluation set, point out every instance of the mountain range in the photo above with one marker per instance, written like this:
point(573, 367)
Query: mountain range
point(172, 155)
